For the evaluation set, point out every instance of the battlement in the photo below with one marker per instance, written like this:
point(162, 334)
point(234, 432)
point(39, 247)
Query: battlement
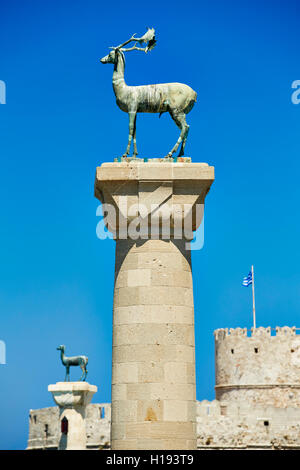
point(282, 331)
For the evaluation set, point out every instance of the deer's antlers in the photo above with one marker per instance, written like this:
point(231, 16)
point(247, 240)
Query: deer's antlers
point(148, 37)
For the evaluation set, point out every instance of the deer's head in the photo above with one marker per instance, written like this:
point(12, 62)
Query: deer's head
point(61, 348)
point(148, 38)
point(111, 58)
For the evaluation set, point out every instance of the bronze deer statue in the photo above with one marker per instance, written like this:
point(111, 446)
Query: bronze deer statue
point(176, 98)
point(73, 361)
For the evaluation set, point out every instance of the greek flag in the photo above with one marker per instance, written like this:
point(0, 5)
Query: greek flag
point(247, 280)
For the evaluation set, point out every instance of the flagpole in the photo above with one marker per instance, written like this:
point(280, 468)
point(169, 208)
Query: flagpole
point(253, 297)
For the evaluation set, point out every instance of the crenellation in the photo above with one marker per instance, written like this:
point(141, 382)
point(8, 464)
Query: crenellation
point(220, 333)
point(285, 331)
point(261, 331)
point(238, 331)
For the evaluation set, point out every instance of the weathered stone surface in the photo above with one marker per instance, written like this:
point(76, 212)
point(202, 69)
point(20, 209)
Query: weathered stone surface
point(154, 172)
point(154, 352)
point(154, 313)
point(151, 333)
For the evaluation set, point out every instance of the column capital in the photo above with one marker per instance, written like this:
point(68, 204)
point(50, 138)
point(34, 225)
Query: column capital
point(72, 393)
point(151, 191)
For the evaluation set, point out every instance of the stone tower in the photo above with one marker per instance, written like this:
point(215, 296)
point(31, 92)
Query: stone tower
point(153, 362)
point(261, 369)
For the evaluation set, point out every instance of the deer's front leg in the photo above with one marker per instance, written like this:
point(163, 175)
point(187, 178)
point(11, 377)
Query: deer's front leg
point(132, 116)
point(135, 152)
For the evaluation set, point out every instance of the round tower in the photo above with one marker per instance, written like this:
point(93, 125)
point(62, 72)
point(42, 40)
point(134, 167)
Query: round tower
point(259, 369)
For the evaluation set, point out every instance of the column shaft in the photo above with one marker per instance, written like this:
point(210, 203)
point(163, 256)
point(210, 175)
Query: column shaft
point(153, 379)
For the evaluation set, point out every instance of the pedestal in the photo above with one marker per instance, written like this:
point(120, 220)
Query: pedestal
point(72, 399)
point(153, 362)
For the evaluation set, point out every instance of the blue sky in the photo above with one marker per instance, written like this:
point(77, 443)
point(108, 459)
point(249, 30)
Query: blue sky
point(61, 121)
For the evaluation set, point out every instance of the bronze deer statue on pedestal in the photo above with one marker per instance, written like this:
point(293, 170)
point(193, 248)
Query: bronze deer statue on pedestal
point(176, 98)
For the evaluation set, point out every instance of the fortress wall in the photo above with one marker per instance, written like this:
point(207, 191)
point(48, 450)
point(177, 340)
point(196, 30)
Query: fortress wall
point(44, 427)
point(223, 425)
point(242, 426)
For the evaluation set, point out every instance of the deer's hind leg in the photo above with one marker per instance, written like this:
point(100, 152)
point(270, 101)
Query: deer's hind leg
point(179, 119)
point(181, 153)
point(84, 371)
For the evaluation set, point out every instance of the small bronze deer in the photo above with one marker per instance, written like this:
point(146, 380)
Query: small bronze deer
point(73, 361)
point(176, 98)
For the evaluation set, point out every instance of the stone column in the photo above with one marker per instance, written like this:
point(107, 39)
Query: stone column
point(72, 399)
point(153, 363)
